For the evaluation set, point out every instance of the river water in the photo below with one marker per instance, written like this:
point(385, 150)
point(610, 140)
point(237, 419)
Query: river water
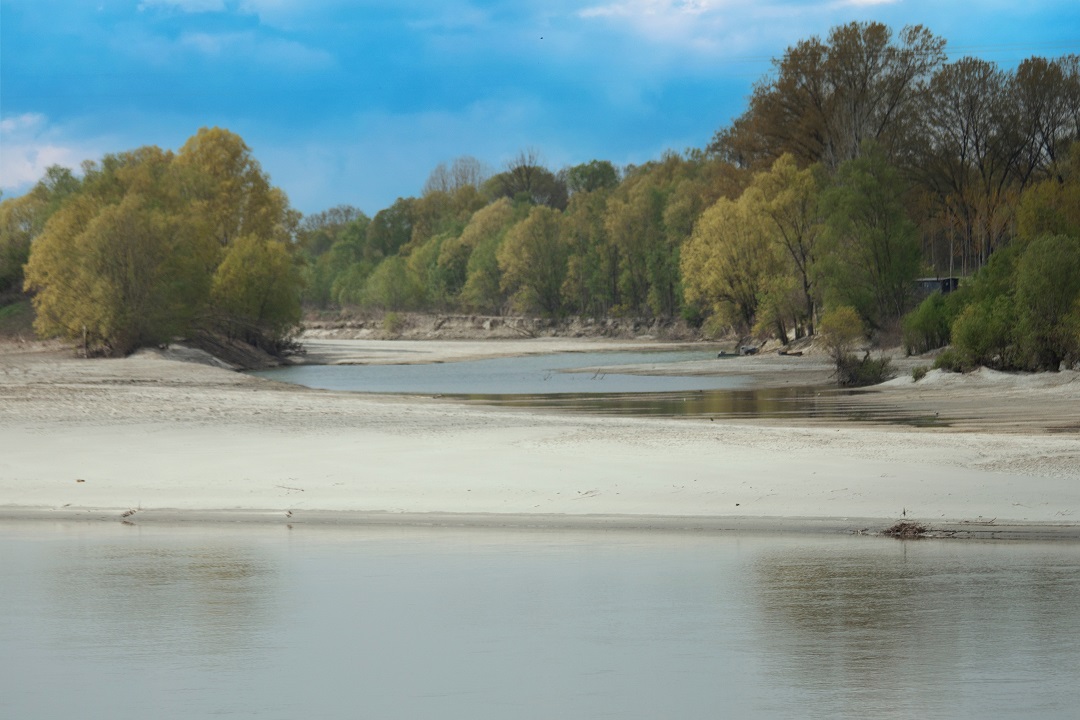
point(598, 383)
point(112, 621)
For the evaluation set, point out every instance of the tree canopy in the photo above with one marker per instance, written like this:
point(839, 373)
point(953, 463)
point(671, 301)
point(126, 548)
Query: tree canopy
point(153, 245)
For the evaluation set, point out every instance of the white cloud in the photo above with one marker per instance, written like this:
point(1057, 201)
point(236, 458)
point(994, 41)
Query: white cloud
point(724, 27)
point(30, 145)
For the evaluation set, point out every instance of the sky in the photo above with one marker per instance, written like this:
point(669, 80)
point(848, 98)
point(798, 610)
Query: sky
point(355, 102)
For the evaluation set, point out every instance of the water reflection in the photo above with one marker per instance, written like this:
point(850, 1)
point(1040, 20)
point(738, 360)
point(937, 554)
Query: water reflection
point(104, 621)
point(593, 383)
point(214, 596)
point(788, 402)
point(923, 628)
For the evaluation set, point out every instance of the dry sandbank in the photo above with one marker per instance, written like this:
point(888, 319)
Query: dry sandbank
point(177, 440)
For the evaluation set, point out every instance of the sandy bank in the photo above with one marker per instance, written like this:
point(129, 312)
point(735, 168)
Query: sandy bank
point(180, 440)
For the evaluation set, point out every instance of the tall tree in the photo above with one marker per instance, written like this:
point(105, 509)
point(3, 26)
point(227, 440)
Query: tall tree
point(462, 172)
point(785, 200)
point(526, 178)
point(873, 252)
point(727, 264)
point(827, 97)
point(591, 176)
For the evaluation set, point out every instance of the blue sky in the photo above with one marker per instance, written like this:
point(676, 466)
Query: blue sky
point(356, 102)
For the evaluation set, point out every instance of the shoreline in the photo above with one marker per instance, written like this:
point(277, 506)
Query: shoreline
point(703, 524)
point(178, 441)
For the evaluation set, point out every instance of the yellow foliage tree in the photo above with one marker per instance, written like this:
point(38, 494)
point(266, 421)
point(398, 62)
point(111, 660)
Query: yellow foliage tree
point(146, 250)
point(256, 290)
point(533, 262)
point(727, 263)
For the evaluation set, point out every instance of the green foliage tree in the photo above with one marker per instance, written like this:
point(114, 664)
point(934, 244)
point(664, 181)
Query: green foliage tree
point(591, 176)
point(526, 179)
point(872, 246)
point(1048, 302)
point(592, 278)
point(390, 286)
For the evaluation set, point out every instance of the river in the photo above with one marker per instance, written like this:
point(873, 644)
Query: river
point(157, 621)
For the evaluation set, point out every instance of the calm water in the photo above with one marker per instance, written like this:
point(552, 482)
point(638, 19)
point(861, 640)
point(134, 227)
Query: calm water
point(111, 621)
point(557, 381)
point(527, 375)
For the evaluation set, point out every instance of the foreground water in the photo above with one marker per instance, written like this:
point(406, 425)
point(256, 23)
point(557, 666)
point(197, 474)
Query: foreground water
point(110, 621)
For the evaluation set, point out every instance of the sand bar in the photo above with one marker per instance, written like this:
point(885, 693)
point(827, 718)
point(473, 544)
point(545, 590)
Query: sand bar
point(153, 437)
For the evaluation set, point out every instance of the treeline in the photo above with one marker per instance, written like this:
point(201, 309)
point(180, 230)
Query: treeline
point(864, 160)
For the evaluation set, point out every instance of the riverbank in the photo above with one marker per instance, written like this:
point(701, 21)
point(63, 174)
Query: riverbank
point(156, 437)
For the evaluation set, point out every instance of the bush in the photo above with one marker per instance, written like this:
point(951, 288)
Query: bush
point(927, 327)
point(851, 371)
point(841, 329)
point(919, 372)
point(983, 334)
point(393, 323)
point(1048, 302)
point(951, 361)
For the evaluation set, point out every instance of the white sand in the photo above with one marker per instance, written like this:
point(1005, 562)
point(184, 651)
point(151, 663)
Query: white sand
point(179, 439)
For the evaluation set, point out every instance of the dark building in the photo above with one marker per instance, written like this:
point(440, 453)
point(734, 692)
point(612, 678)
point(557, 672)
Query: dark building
point(928, 286)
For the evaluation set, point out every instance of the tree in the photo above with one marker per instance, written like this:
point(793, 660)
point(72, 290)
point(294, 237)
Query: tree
point(391, 228)
point(873, 253)
point(256, 290)
point(533, 262)
point(591, 285)
point(1048, 302)
point(525, 178)
point(148, 249)
point(591, 176)
point(828, 97)
point(727, 263)
point(1052, 206)
point(484, 235)
point(968, 160)
point(224, 187)
point(786, 200)
point(464, 171)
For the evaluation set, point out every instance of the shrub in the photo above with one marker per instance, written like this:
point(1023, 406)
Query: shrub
point(841, 329)
point(393, 323)
point(851, 371)
point(1047, 297)
point(983, 333)
point(927, 327)
point(919, 372)
point(951, 361)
